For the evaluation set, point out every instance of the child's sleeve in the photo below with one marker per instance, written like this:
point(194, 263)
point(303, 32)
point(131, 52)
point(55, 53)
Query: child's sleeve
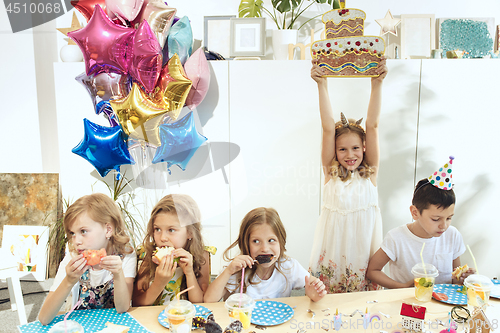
point(297, 276)
point(458, 243)
point(389, 246)
point(129, 265)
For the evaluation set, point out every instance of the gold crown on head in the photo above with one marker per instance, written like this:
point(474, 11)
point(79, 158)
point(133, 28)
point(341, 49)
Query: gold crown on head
point(345, 123)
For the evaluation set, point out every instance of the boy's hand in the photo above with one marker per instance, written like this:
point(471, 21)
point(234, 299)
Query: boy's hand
point(465, 274)
point(76, 267)
point(317, 72)
point(315, 288)
point(381, 70)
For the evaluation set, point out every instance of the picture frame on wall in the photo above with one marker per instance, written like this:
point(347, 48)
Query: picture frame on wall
point(418, 35)
point(216, 34)
point(28, 245)
point(248, 37)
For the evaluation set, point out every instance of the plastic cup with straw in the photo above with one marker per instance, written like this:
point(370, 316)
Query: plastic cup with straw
point(68, 326)
point(240, 305)
point(424, 276)
point(180, 313)
point(478, 288)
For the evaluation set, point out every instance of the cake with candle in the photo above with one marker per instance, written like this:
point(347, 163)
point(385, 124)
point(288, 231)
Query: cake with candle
point(346, 51)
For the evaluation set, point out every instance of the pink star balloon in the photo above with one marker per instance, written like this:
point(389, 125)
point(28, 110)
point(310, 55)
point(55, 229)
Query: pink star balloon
point(103, 44)
point(147, 57)
point(197, 70)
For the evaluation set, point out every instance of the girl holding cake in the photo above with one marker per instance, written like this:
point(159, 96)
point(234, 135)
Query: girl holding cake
point(349, 230)
point(175, 257)
point(93, 222)
point(269, 273)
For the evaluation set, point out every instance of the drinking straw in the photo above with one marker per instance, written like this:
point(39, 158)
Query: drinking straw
point(241, 288)
point(422, 257)
point(178, 296)
point(67, 314)
point(473, 259)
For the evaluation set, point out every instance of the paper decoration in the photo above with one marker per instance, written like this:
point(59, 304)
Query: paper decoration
point(388, 24)
point(75, 25)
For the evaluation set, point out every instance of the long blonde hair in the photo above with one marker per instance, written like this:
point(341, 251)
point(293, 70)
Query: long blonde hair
point(101, 209)
point(256, 217)
point(189, 215)
point(336, 169)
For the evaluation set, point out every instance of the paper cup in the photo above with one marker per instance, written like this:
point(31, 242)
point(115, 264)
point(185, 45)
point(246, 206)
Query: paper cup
point(424, 281)
point(70, 327)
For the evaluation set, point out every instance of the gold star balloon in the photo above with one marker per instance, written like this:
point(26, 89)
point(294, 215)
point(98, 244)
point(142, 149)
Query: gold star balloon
point(388, 24)
point(75, 25)
point(139, 117)
point(172, 87)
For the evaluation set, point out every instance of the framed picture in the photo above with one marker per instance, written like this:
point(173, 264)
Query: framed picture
point(248, 37)
point(217, 34)
point(418, 35)
point(28, 244)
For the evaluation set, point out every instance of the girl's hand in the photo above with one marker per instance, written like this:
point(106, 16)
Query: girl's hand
point(76, 267)
point(317, 72)
point(112, 264)
point(185, 260)
point(166, 268)
point(382, 70)
point(239, 262)
point(315, 285)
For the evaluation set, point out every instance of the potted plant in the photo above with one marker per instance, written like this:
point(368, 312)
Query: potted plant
point(285, 14)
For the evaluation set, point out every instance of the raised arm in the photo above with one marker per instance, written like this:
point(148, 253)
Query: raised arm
point(327, 121)
point(372, 153)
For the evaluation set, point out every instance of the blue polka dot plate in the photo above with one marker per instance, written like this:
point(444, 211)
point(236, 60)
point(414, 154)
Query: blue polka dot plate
point(495, 291)
point(450, 290)
point(269, 313)
point(200, 311)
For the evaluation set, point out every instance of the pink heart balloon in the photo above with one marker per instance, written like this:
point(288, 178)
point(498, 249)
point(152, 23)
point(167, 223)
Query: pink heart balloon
point(147, 57)
point(103, 44)
point(197, 70)
point(125, 9)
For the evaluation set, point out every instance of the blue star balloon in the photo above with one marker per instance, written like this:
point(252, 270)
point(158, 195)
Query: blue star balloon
point(179, 142)
point(104, 147)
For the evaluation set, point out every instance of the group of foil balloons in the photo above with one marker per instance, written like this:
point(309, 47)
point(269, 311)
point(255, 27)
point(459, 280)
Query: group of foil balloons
point(140, 73)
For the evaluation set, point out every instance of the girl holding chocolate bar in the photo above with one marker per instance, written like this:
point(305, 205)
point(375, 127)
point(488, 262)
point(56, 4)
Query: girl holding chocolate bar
point(175, 223)
point(94, 226)
point(268, 271)
point(349, 230)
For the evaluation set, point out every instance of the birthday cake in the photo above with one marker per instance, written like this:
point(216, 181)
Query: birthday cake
point(346, 51)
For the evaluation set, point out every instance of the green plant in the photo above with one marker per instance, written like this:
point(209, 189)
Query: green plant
point(284, 13)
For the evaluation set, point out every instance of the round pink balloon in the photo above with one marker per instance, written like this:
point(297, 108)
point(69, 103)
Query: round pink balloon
point(103, 44)
point(147, 57)
point(197, 70)
point(125, 9)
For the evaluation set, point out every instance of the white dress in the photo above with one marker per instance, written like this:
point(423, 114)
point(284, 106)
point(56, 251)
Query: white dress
point(348, 233)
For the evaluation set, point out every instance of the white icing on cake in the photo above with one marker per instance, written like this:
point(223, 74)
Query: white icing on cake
point(339, 44)
point(333, 15)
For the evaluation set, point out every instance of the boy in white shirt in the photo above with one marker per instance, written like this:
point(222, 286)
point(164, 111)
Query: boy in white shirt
point(432, 209)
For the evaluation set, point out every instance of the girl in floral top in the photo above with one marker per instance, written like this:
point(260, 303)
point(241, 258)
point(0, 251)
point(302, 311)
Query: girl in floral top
point(93, 222)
